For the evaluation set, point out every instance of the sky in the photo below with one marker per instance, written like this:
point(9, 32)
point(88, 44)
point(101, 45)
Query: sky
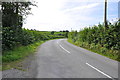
point(56, 15)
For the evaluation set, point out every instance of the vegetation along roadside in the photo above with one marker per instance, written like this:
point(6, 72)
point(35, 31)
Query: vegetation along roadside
point(18, 42)
point(29, 41)
point(98, 39)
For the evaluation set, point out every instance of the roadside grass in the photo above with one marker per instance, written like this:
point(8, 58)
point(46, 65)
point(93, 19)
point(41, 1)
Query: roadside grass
point(112, 54)
point(12, 57)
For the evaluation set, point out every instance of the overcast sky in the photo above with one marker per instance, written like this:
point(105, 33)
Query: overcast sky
point(56, 15)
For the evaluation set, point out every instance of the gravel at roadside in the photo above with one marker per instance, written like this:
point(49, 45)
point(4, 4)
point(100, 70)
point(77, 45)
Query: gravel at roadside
point(25, 69)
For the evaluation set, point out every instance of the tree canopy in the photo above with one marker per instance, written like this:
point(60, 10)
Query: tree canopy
point(13, 12)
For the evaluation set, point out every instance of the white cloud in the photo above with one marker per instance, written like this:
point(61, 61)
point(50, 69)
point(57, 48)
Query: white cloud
point(83, 7)
point(82, 16)
point(48, 14)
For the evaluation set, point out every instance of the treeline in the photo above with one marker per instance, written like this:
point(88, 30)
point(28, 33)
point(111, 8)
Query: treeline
point(12, 21)
point(23, 37)
point(99, 39)
point(61, 33)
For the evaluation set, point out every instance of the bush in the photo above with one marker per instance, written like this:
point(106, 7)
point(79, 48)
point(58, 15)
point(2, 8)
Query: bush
point(98, 39)
point(12, 38)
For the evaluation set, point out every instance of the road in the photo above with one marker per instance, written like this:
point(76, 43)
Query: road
point(60, 59)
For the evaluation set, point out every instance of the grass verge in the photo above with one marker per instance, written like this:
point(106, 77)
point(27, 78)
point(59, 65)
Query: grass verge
point(18, 54)
point(112, 54)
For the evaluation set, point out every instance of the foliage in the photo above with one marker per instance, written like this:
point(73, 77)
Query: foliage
point(19, 53)
point(12, 32)
point(25, 37)
point(18, 42)
point(13, 12)
point(12, 21)
point(16, 47)
point(98, 39)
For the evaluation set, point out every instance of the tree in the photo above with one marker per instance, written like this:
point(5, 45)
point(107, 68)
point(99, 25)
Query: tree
point(12, 21)
point(52, 32)
point(13, 13)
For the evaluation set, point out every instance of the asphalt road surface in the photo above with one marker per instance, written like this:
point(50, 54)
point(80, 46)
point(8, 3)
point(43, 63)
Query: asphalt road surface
point(60, 59)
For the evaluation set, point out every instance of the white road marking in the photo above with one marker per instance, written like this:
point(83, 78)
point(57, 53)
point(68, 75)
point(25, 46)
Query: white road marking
point(64, 49)
point(99, 71)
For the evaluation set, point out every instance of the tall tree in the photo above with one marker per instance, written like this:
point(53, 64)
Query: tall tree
point(12, 21)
